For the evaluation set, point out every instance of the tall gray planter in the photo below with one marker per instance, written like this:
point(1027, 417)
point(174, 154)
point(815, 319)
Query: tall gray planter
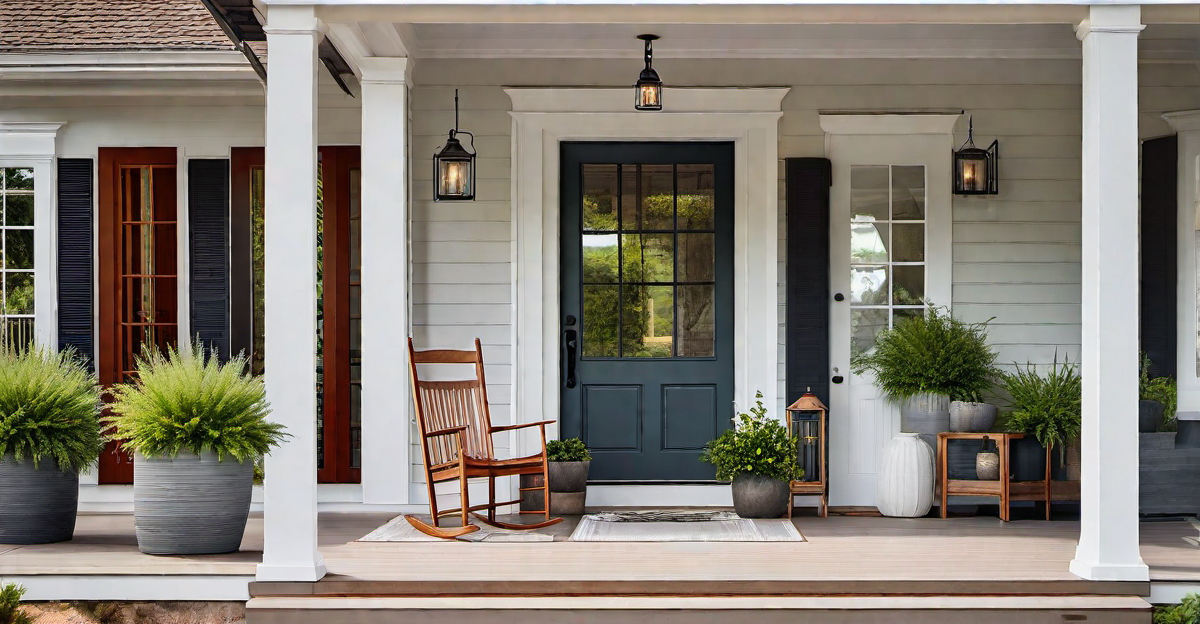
point(568, 487)
point(191, 505)
point(971, 416)
point(1150, 416)
point(926, 414)
point(38, 505)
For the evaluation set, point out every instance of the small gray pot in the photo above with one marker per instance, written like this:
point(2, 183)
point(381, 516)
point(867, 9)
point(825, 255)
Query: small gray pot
point(38, 504)
point(971, 416)
point(568, 476)
point(926, 414)
point(756, 496)
point(1150, 416)
point(191, 504)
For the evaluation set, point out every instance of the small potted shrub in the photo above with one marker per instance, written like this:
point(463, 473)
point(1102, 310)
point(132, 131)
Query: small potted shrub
point(936, 368)
point(195, 427)
point(1047, 408)
point(569, 461)
point(49, 433)
point(758, 455)
point(1156, 409)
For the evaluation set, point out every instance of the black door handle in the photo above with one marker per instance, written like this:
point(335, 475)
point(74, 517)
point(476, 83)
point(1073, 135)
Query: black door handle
point(571, 343)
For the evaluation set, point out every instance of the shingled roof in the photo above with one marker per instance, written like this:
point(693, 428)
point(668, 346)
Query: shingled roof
point(108, 25)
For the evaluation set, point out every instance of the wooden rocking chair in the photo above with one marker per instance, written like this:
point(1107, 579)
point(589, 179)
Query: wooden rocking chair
point(456, 444)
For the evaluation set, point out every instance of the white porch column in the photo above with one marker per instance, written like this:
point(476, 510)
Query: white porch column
point(386, 395)
point(1108, 536)
point(290, 493)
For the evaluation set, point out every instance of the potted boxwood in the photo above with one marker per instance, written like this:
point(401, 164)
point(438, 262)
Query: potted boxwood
point(49, 433)
point(195, 427)
point(1045, 407)
point(1156, 408)
point(758, 455)
point(567, 471)
point(936, 368)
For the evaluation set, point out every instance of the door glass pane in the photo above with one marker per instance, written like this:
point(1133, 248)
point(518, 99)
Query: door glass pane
point(18, 293)
point(18, 209)
point(869, 193)
point(908, 242)
point(909, 286)
point(869, 285)
point(656, 198)
point(864, 324)
point(18, 178)
point(18, 249)
point(600, 259)
point(697, 330)
point(648, 257)
point(647, 321)
point(697, 257)
point(695, 199)
point(908, 193)
point(601, 321)
point(868, 242)
point(599, 198)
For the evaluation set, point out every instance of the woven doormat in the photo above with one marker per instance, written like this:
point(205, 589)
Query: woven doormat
point(687, 526)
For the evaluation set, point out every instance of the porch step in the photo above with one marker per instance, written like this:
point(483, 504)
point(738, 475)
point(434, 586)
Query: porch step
point(1093, 609)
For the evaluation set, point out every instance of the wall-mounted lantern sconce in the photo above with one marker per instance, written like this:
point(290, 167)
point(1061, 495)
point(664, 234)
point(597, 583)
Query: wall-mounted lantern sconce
point(454, 166)
point(975, 169)
point(648, 90)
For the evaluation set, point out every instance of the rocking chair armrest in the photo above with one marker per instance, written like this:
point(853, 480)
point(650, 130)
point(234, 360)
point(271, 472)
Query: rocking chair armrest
point(446, 431)
point(540, 423)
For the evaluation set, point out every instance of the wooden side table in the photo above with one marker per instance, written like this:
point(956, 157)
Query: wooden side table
point(973, 487)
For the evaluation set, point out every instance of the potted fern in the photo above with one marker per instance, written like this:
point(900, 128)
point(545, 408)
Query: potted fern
point(1045, 407)
point(567, 470)
point(49, 433)
point(758, 455)
point(1156, 409)
point(195, 427)
point(930, 365)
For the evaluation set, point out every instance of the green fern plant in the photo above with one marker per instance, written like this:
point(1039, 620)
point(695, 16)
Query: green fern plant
point(757, 444)
point(188, 400)
point(10, 605)
point(569, 450)
point(49, 408)
point(1160, 389)
point(1186, 612)
point(934, 353)
point(1046, 406)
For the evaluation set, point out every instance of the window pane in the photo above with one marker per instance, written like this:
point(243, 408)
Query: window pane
point(908, 193)
point(864, 324)
point(697, 257)
point(648, 257)
point(18, 249)
point(18, 178)
point(868, 285)
point(869, 193)
point(697, 331)
point(18, 209)
point(695, 199)
point(18, 293)
point(599, 258)
point(647, 321)
point(868, 242)
point(909, 286)
point(599, 198)
point(655, 203)
point(601, 320)
point(908, 242)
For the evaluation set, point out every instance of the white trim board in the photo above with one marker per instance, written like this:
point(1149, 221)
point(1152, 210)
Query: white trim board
point(127, 587)
point(747, 117)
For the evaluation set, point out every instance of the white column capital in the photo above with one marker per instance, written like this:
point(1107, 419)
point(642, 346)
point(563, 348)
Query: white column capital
point(393, 70)
point(291, 19)
point(1111, 18)
point(1183, 121)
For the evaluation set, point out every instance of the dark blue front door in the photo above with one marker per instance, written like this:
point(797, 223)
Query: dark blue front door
point(647, 305)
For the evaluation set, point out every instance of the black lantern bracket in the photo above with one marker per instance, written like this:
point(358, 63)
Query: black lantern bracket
point(648, 90)
point(976, 170)
point(454, 165)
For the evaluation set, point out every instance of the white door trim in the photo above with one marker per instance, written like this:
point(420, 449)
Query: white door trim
point(542, 118)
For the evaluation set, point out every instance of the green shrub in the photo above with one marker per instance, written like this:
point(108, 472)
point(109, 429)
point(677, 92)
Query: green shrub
point(189, 401)
point(935, 353)
point(1045, 406)
point(569, 450)
point(10, 605)
point(757, 444)
point(49, 408)
point(1186, 612)
point(1161, 389)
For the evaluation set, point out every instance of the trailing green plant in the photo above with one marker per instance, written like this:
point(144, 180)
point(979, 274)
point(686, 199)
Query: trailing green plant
point(757, 444)
point(934, 353)
point(49, 408)
point(187, 400)
point(1160, 389)
point(10, 605)
point(1186, 612)
point(569, 450)
point(1045, 406)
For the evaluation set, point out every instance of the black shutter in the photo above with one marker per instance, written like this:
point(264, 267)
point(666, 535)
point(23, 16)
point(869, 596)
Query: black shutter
point(208, 232)
point(1158, 251)
point(75, 257)
point(808, 182)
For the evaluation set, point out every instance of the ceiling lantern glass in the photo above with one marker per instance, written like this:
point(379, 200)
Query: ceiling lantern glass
point(648, 90)
point(975, 169)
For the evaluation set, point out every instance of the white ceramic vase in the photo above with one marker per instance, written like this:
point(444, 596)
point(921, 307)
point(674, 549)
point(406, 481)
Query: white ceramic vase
point(905, 477)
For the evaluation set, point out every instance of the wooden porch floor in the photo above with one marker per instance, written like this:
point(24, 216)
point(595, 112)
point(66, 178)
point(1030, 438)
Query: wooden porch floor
point(839, 549)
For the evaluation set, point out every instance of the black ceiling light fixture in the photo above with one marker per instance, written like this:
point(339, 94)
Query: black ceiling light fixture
point(454, 166)
point(648, 90)
point(975, 169)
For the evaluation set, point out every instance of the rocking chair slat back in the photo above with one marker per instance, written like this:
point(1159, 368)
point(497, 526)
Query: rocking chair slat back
point(441, 405)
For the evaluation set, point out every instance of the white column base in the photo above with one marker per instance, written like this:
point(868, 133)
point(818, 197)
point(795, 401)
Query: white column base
point(297, 573)
point(1110, 572)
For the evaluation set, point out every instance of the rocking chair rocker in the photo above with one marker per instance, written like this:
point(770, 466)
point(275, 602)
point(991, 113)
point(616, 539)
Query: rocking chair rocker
point(456, 444)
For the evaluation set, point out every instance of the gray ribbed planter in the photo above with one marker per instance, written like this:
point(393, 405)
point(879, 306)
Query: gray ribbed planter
point(568, 476)
point(1150, 416)
point(37, 505)
point(971, 416)
point(191, 505)
point(756, 496)
point(926, 414)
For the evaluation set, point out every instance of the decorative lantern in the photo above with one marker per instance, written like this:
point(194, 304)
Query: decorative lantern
point(648, 90)
point(454, 166)
point(975, 169)
point(808, 424)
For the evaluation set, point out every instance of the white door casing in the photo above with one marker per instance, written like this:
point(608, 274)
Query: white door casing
point(861, 420)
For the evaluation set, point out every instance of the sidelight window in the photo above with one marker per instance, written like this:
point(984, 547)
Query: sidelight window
point(16, 248)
